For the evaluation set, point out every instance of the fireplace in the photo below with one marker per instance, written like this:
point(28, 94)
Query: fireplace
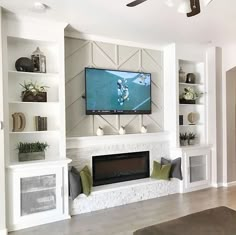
point(108, 169)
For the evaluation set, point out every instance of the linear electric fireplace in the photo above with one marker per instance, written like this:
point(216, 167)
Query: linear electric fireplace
point(108, 169)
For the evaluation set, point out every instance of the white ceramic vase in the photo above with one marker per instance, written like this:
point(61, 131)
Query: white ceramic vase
point(100, 131)
point(122, 131)
point(143, 129)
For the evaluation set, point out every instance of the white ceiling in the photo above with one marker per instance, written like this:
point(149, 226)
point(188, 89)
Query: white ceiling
point(151, 22)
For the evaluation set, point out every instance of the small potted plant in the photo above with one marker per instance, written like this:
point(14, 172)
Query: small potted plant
point(32, 92)
point(183, 139)
point(31, 151)
point(189, 96)
point(191, 138)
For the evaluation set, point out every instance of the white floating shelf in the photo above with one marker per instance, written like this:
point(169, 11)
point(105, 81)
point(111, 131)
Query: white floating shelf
point(35, 103)
point(32, 132)
point(32, 74)
point(191, 84)
point(197, 125)
point(191, 105)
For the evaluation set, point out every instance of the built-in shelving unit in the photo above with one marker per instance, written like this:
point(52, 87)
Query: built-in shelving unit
point(21, 47)
point(26, 206)
point(198, 69)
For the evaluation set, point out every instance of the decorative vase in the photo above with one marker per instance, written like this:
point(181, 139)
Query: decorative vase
point(193, 118)
point(31, 156)
point(122, 131)
point(24, 64)
point(191, 142)
point(182, 77)
point(143, 129)
point(190, 78)
point(100, 131)
point(183, 142)
point(31, 97)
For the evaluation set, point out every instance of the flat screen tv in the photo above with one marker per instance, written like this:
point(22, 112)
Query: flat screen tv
point(117, 92)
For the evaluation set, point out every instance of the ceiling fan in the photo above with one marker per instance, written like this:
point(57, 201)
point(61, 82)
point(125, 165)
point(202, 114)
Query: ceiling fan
point(191, 10)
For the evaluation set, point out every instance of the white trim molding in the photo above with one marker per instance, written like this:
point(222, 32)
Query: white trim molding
point(83, 142)
point(229, 184)
point(3, 232)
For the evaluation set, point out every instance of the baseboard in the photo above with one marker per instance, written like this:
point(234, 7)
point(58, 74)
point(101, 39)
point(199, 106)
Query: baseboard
point(3, 231)
point(217, 185)
point(229, 184)
point(25, 225)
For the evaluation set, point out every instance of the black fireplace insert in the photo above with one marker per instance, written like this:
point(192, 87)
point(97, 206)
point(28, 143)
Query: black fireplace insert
point(108, 169)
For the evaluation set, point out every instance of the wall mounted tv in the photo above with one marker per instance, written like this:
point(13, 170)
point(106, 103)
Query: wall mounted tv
point(117, 92)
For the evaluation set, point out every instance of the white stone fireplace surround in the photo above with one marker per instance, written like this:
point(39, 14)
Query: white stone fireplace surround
point(81, 150)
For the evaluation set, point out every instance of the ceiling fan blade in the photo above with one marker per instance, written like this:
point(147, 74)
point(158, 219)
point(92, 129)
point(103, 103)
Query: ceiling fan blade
point(135, 3)
point(207, 2)
point(195, 6)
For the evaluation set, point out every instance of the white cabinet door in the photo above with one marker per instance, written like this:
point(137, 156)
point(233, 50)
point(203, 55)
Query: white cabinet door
point(197, 173)
point(35, 196)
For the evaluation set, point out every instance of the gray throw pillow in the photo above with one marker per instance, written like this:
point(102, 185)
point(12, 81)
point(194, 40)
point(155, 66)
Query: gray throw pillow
point(75, 186)
point(175, 171)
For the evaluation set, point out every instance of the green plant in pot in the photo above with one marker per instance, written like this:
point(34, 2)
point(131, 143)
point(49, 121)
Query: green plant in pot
point(189, 96)
point(33, 92)
point(191, 138)
point(183, 137)
point(31, 151)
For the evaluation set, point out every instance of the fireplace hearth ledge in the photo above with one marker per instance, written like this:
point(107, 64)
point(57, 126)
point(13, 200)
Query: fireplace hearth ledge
point(108, 196)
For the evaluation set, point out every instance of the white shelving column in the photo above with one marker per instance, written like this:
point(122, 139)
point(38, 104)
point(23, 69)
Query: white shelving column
point(21, 37)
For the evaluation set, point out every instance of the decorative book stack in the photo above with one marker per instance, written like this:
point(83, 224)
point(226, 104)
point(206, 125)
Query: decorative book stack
point(41, 123)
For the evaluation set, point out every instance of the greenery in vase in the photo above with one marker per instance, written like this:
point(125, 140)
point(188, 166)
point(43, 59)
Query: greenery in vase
point(190, 94)
point(33, 88)
point(183, 136)
point(32, 147)
point(191, 136)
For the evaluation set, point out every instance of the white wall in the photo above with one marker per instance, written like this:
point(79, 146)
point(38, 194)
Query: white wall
point(2, 159)
point(231, 128)
point(83, 53)
point(228, 63)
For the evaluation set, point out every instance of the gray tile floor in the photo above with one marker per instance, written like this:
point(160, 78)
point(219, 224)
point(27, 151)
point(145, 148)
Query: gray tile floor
point(124, 220)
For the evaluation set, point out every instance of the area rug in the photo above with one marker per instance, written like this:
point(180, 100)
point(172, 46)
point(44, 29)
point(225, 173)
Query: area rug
point(216, 221)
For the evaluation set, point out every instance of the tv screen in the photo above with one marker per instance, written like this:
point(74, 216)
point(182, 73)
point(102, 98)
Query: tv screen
point(117, 92)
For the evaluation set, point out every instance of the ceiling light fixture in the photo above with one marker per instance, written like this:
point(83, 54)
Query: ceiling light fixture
point(169, 3)
point(40, 7)
point(184, 7)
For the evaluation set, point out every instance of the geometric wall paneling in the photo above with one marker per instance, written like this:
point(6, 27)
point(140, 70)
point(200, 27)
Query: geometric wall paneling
point(101, 59)
point(132, 63)
point(103, 122)
point(109, 49)
point(75, 113)
point(75, 89)
point(133, 125)
point(73, 45)
point(105, 55)
point(152, 125)
point(83, 128)
point(76, 62)
point(125, 52)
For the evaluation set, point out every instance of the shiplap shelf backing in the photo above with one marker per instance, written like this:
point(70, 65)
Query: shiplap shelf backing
point(80, 54)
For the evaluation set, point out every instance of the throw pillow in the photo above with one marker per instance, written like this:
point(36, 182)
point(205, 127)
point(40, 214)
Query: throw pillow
point(175, 171)
point(86, 179)
point(160, 171)
point(75, 187)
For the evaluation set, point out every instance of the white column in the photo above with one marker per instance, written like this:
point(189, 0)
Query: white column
point(3, 230)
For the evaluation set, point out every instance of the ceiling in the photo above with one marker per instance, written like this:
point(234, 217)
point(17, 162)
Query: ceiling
point(151, 23)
